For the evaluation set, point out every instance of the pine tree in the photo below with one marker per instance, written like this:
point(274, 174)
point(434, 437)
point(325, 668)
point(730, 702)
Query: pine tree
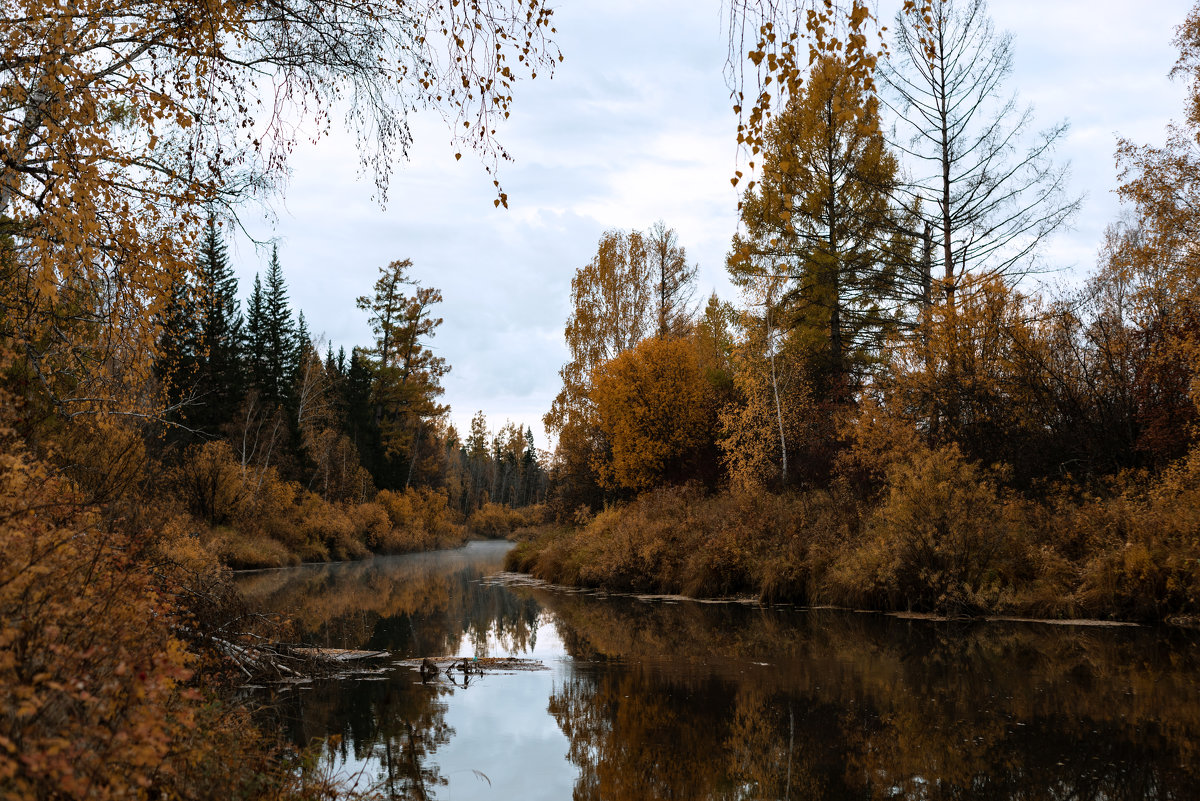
point(219, 381)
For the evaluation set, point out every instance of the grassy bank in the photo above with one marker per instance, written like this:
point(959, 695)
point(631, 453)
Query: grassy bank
point(252, 518)
point(940, 535)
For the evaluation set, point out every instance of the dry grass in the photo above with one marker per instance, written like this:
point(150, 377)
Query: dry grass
point(942, 536)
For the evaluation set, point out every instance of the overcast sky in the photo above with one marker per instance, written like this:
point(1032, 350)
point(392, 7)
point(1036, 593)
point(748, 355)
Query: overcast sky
point(635, 126)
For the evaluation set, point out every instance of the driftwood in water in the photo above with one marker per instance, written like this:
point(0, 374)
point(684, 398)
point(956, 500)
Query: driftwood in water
point(260, 659)
point(456, 667)
point(337, 654)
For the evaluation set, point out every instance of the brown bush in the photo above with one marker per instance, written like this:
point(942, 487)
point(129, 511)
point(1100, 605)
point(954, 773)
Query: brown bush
point(421, 520)
point(497, 520)
point(329, 533)
point(371, 522)
point(938, 541)
point(1142, 559)
point(677, 540)
point(209, 483)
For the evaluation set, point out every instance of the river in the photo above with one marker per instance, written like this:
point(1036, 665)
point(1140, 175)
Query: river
point(642, 698)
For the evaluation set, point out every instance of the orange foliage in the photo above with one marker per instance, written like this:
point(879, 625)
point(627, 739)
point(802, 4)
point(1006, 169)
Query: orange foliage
point(498, 520)
point(655, 409)
point(936, 543)
point(421, 520)
point(99, 693)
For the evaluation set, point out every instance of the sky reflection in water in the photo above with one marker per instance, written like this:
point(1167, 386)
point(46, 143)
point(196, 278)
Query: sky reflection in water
point(692, 701)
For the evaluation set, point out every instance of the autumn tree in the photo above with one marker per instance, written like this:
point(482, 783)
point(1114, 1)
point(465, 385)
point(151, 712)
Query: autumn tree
point(772, 43)
point(1156, 261)
point(656, 412)
point(123, 123)
point(611, 311)
point(769, 421)
point(821, 218)
point(714, 342)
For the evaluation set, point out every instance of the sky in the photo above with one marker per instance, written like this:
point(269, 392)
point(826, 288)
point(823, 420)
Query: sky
point(635, 126)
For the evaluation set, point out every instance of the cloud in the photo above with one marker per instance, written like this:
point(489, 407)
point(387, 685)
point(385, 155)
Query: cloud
point(635, 126)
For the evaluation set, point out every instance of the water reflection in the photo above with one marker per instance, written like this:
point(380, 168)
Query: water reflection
point(691, 701)
point(421, 605)
point(830, 705)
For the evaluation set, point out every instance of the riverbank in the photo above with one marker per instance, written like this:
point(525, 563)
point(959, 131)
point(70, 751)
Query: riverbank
point(940, 538)
point(318, 531)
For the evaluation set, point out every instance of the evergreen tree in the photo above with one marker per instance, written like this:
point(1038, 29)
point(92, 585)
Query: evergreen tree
point(331, 365)
point(219, 383)
point(301, 348)
point(279, 337)
point(255, 355)
point(530, 456)
point(359, 419)
point(175, 366)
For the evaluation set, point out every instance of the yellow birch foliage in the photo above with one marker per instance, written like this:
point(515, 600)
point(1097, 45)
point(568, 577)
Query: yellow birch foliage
point(781, 40)
point(774, 412)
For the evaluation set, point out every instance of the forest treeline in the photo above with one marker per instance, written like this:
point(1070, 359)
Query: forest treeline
point(281, 452)
point(893, 415)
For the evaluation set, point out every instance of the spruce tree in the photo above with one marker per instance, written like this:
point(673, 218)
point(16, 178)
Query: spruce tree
point(255, 342)
point(175, 365)
point(279, 337)
point(300, 348)
point(359, 418)
point(219, 383)
point(331, 366)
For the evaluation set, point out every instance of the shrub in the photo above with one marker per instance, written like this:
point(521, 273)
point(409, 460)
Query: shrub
point(421, 519)
point(497, 520)
point(371, 522)
point(209, 483)
point(935, 543)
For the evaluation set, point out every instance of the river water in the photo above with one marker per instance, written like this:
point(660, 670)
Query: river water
point(639, 698)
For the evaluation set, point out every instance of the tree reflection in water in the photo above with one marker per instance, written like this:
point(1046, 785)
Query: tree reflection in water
point(426, 605)
point(694, 701)
point(853, 706)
